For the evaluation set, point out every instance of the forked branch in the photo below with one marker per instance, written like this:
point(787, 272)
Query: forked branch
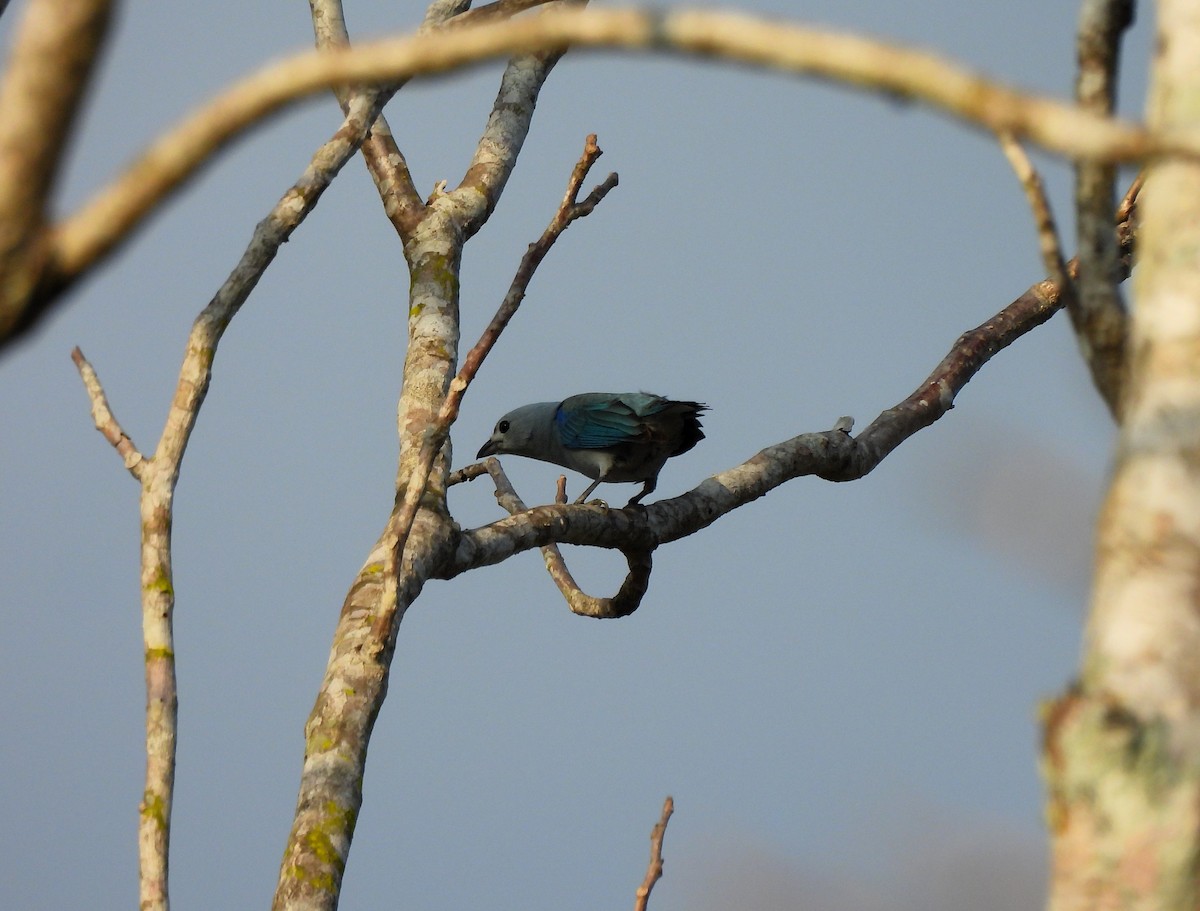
point(569, 209)
point(158, 476)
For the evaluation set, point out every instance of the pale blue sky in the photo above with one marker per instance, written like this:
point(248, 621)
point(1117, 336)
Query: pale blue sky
point(838, 683)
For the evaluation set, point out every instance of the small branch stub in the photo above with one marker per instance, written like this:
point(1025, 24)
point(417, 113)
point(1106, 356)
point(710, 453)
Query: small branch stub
point(654, 870)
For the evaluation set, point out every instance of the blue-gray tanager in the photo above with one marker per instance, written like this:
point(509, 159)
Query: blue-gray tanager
point(608, 436)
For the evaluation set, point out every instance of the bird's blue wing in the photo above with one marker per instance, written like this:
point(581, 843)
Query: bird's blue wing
point(597, 420)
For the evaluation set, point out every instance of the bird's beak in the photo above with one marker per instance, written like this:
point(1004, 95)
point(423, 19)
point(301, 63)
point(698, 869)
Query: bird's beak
point(488, 448)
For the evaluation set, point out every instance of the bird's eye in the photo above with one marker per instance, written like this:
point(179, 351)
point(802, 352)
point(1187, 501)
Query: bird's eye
point(502, 426)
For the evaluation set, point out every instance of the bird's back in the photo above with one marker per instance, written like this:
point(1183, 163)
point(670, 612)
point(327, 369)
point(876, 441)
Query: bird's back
point(637, 431)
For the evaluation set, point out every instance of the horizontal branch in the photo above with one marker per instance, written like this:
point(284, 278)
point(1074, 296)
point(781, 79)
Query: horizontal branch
point(833, 454)
point(869, 64)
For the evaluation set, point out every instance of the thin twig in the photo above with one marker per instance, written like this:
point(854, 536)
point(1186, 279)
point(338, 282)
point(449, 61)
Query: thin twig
point(1129, 201)
point(655, 870)
point(104, 420)
point(468, 473)
point(568, 211)
point(1043, 217)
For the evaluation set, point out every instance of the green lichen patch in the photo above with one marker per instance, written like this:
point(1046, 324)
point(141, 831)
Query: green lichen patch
point(161, 583)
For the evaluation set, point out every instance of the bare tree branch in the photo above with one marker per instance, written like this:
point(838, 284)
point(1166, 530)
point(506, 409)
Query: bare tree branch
point(270, 233)
point(569, 209)
point(109, 218)
point(1047, 232)
point(1097, 311)
point(159, 475)
point(1121, 745)
point(415, 539)
point(385, 162)
point(833, 455)
point(55, 50)
point(507, 126)
point(104, 420)
point(492, 12)
point(441, 11)
point(655, 869)
point(467, 473)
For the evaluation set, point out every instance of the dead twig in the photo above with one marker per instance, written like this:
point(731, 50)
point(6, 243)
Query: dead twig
point(104, 420)
point(655, 870)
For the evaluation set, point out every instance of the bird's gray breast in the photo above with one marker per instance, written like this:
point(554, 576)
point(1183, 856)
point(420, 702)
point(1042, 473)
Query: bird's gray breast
point(634, 461)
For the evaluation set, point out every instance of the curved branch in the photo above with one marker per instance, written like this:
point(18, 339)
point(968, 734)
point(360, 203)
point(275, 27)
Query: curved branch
point(833, 455)
point(1043, 217)
point(94, 231)
point(632, 589)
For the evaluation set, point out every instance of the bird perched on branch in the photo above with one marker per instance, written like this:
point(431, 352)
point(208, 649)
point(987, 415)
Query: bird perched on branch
point(608, 436)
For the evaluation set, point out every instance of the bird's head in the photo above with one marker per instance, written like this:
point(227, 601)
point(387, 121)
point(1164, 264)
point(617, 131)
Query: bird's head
point(517, 432)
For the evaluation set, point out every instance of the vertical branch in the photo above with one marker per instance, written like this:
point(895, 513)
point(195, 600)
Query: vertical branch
point(435, 436)
point(410, 547)
point(507, 126)
point(1122, 747)
point(1097, 311)
point(655, 869)
point(55, 52)
point(158, 602)
point(159, 474)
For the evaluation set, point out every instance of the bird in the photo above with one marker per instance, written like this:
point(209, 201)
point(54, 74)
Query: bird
point(608, 436)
